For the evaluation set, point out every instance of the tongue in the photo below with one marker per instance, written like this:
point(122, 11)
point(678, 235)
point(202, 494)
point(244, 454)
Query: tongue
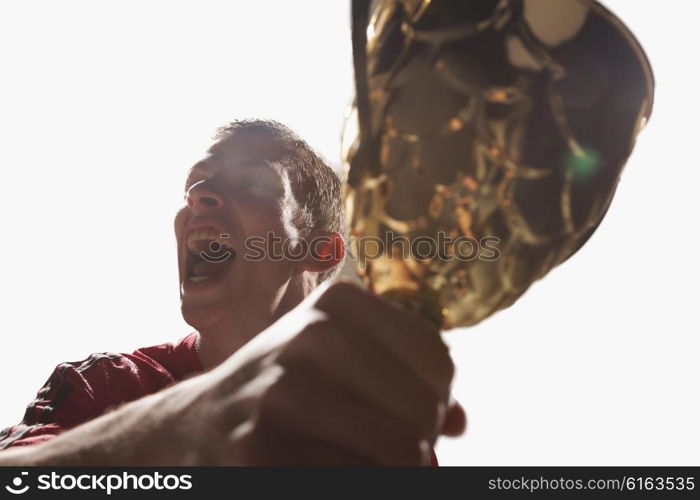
point(204, 268)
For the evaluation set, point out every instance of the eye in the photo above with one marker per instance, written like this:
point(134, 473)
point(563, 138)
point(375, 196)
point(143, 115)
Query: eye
point(259, 186)
point(253, 182)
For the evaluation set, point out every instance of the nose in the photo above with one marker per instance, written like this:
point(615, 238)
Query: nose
point(203, 199)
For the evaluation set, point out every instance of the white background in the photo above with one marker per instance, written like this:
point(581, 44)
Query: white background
point(104, 105)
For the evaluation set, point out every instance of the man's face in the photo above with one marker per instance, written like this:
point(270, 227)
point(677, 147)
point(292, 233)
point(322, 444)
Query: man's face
point(237, 192)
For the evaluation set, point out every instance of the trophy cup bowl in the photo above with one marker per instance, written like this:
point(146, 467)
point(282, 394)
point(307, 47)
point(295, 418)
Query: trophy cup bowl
point(485, 143)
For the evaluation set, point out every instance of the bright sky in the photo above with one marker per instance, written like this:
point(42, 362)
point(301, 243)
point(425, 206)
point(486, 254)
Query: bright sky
point(104, 105)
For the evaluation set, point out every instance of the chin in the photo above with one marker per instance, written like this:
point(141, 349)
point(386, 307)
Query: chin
point(203, 314)
point(198, 319)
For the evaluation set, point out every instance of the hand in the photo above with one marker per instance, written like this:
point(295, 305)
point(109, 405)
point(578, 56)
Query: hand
point(345, 378)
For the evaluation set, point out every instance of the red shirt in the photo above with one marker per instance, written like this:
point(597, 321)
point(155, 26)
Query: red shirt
point(82, 390)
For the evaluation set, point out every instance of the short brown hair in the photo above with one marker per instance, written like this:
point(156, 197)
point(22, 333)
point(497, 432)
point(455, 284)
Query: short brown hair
point(315, 184)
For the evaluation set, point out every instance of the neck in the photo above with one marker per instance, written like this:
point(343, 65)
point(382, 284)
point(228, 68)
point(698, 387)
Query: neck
point(219, 340)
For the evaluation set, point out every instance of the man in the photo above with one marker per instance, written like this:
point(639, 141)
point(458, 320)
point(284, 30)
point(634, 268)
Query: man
point(342, 378)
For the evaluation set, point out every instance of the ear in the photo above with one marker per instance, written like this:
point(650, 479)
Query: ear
point(325, 252)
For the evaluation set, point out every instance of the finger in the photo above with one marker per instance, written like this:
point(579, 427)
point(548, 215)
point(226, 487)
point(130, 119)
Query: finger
point(234, 408)
point(276, 446)
point(405, 335)
point(303, 406)
point(350, 362)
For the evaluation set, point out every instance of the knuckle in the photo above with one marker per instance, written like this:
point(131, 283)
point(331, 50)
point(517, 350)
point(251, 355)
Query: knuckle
point(344, 289)
point(252, 444)
point(258, 431)
point(441, 361)
point(319, 327)
point(311, 343)
point(287, 399)
point(432, 415)
point(271, 408)
point(449, 367)
point(341, 294)
point(272, 402)
point(317, 342)
point(428, 415)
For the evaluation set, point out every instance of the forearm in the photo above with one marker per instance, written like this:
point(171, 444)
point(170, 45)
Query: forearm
point(143, 432)
point(106, 440)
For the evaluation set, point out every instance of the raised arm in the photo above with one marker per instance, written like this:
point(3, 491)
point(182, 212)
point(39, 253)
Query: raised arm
point(344, 379)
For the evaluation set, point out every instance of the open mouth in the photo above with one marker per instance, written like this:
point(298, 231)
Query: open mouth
point(209, 254)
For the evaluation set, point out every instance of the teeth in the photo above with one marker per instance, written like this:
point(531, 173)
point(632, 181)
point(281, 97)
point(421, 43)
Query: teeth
point(201, 239)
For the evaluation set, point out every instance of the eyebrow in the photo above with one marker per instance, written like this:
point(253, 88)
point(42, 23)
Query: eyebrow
point(205, 165)
point(253, 163)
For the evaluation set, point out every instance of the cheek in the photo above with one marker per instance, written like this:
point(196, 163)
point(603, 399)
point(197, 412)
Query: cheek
point(273, 239)
point(180, 219)
point(260, 221)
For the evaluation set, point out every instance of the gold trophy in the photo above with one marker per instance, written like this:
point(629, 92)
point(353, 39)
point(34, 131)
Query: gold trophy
point(485, 144)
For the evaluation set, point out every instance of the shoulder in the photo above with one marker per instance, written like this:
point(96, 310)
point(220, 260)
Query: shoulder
point(103, 380)
point(179, 359)
point(78, 391)
point(74, 393)
point(110, 378)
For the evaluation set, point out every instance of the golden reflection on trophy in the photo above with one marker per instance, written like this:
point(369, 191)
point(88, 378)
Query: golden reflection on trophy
point(485, 144)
